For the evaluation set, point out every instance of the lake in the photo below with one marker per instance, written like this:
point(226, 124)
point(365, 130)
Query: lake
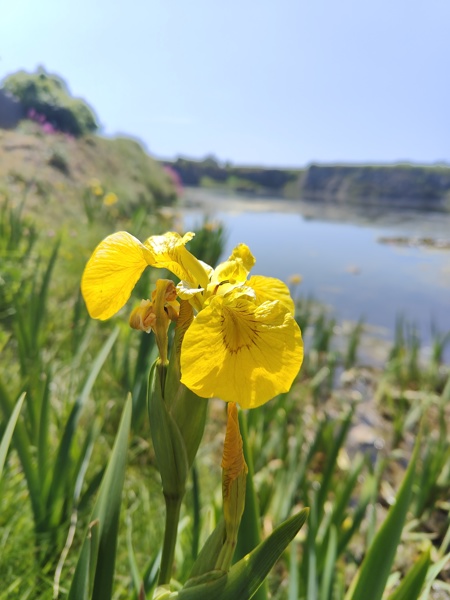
point(337, 251)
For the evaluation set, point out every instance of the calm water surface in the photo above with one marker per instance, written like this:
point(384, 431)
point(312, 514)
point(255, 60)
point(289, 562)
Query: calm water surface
point(337, 253)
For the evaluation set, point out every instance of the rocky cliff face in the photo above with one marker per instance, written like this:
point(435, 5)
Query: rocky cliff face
point(404, 185)
point(426, 187)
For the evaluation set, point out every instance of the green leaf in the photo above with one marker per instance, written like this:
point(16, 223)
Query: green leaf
point(411, 585)
point(107, 509)
point(64, 455)
point(95, 568)
point(330, 565)
point(79, 589)
point(207, 558)
point(432, 574)
point(24, 450)
point(245, 577)
point(377, 564)
point(7, 436)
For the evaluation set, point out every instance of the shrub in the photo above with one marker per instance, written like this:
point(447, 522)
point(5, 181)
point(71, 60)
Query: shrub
point(48, 95)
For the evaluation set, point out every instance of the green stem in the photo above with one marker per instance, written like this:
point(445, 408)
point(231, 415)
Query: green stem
point(173, 506)
point(250, 529)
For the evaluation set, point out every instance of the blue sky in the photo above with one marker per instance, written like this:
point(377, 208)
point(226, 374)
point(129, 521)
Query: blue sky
point(282, 83)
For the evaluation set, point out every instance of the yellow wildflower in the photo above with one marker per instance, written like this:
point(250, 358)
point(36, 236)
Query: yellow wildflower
point(295, 279)
point(243, 346)
point(110, 199)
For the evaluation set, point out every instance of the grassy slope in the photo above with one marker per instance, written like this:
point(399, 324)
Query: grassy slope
point(56, 169)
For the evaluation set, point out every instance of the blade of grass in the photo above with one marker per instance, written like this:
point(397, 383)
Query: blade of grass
point(294, 589)
point(376, 566)
point(23, 447)
point(330, 566)
point(94, 572)
point(7, 436)
point(79, 588)
point(107, 509)
point(411, 585)
point(60, 471)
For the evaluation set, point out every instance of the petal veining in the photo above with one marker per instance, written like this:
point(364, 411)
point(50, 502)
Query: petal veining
point(241, 352)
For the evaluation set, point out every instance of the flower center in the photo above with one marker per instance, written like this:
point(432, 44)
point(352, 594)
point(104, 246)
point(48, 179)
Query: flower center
point(240, 329)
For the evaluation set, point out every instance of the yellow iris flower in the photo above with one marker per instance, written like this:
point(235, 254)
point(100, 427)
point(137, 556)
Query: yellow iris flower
point(243, 346)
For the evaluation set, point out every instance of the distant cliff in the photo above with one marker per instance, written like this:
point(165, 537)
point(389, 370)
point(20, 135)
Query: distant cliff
point(210, 173)
point(401, 185)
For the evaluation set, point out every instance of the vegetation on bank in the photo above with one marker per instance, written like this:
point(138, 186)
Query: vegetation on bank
point(339, 442)
point(57, 170)
point(45, 97)
point(50, 151)
point(402, 185)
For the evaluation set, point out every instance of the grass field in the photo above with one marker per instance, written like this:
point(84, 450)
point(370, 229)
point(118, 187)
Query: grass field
point(341, 442)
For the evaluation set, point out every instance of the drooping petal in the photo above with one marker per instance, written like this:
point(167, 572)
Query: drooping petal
point(112, 272)
point(169, 253)
point(270, 288)
point(241, 352)
point(232, 271)
point(242, 252)
point(236, 268)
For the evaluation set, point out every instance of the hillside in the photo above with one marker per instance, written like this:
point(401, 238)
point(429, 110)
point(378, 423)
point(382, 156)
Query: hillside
point(56, 170)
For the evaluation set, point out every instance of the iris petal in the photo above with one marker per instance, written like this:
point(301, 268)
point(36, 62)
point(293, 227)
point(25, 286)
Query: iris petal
point(241, 352)
point(112, 272)
point(242, 251)
point(236, 268)
point(270, 288)
point(169, 253)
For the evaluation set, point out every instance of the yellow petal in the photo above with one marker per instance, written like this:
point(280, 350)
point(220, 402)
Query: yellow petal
point(169, 253)
point(236, 268)
point(112, 272)
point(241, 352)
point(270, 288)
point(242, 252)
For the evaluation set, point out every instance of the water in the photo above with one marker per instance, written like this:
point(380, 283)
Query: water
point(337, 252)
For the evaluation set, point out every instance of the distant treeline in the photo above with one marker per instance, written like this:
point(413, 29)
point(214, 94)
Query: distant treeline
point(402, 184)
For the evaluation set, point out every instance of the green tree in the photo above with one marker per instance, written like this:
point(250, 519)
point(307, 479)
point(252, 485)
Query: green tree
point(48, 95)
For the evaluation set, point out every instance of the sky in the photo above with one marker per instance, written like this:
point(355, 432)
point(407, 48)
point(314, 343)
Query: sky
point(255, 82)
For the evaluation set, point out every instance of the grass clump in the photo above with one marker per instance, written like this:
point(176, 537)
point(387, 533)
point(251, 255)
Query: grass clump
point(339, 442)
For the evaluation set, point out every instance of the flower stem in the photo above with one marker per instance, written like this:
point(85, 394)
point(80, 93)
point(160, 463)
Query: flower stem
point(173, 506)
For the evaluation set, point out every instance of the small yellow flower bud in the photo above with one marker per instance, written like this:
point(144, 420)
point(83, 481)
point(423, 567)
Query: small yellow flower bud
point(234, 476)
point(143, 316)
point(156, 314)
point(295, 279)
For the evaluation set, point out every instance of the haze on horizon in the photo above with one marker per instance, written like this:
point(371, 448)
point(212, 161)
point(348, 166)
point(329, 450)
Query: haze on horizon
point(276, 84)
